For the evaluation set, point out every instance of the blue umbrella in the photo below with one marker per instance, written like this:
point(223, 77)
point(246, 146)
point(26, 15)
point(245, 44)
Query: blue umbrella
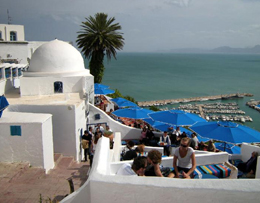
point(163, 126)
point(3, 104)
point(100, 86)
point(135, 113)
point(176, 117)
point(103, 91)
point(226, 131)
point(121, 102)
point(229, 148)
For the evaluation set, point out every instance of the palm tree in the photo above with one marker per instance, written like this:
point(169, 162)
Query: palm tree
point(98, 37)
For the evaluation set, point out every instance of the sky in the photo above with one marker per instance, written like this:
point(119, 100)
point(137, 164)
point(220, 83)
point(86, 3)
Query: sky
point(147, 25)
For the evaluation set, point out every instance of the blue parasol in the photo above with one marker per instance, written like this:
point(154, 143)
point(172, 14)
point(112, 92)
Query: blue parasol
point(135, 113)
point(100, 86)
point(176, 117)
point(103, 91)
point(229, 148)
point(164, 126)
point(3, 104)
point(121, 102)
point(226, 131)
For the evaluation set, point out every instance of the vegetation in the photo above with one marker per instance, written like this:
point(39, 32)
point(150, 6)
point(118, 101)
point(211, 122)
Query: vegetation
point(118, 94)
point(154, 108)
point(98, 37)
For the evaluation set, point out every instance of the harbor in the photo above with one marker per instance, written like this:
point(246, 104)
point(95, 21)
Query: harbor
point(218, 111)
point(193, 99)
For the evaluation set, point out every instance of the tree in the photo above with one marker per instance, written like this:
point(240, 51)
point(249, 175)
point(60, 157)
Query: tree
point(98, 37)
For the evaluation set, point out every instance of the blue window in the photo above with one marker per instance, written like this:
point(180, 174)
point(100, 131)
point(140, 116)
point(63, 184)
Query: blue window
point(0, 35)
point(16, 130)
point(14, 72)
point(1, 76)
point(13, 36)
point(58, 87)
point(7, 73)
point(19, 72)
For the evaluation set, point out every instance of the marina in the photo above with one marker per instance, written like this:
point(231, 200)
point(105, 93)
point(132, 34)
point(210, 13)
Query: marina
point(193, 99)
point(218, 111)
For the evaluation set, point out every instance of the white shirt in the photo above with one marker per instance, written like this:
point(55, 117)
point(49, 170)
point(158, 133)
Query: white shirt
point(126, 169)
point(184, 162)
point(177, 133)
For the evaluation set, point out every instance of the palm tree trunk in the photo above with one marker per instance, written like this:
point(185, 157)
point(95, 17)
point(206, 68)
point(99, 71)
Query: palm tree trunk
point(96, 66)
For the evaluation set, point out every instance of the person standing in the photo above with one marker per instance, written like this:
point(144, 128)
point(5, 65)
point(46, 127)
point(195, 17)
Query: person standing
point(87, 138)
point(166, 143)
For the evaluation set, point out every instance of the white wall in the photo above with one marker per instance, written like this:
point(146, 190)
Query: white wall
point(126, 131)
point(80, 123)
point(47, 143)
point(102, 187)
point(15, 51)
point(2, 87)
point(7, 28)
point(35, 148)
point(45, 85)
point(64, 125)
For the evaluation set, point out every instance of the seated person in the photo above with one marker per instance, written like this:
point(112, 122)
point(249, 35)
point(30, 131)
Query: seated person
point(211, 147)
point(194, 142)
point(249, 166)
point(140, 150)
point(138, 167)
point(185, 156)
point(154, 159)
point(129, 153)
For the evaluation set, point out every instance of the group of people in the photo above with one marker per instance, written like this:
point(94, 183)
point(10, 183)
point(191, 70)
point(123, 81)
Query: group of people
point(90, 138)
point(129, 152)
point(184, 163)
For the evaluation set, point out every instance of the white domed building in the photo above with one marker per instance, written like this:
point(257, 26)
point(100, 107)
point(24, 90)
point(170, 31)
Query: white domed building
point(49, 108)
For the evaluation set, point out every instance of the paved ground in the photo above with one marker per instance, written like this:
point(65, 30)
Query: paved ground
point(21, 183)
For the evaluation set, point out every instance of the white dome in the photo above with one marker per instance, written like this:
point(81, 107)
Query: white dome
point(56, 57)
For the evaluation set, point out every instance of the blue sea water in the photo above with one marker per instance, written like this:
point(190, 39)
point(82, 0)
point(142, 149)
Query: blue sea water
point(154, 76)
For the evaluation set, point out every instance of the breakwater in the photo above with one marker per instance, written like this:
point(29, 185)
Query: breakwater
point(193, 99)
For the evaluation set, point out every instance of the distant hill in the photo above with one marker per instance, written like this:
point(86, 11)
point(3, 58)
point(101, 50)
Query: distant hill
point(226, 49)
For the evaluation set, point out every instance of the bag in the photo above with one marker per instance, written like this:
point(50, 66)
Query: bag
point(85, 144)
point(165, 171)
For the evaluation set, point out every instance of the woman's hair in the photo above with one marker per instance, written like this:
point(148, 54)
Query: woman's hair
point(155, 156)
point(185, 139)
point(141, 148)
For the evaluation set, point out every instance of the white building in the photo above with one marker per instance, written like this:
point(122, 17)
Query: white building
point(13, 46)
point(48, 109)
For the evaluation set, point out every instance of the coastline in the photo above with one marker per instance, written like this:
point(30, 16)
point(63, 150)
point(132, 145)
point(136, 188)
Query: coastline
point(192, 99)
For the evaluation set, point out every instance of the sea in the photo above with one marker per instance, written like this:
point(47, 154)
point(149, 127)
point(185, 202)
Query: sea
point(157, 76)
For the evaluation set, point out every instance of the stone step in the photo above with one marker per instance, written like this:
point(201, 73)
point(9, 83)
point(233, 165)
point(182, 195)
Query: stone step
point(57, 158)
point(65, 162)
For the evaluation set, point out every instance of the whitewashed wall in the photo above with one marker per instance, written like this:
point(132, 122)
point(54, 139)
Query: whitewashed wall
point(45, 85)
point(65, 120)
point(2, 87)
point(35, 148)
point(7, 28)
point(102, 187)
point(126, 131)
point(15, 50)
point(80, 124)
